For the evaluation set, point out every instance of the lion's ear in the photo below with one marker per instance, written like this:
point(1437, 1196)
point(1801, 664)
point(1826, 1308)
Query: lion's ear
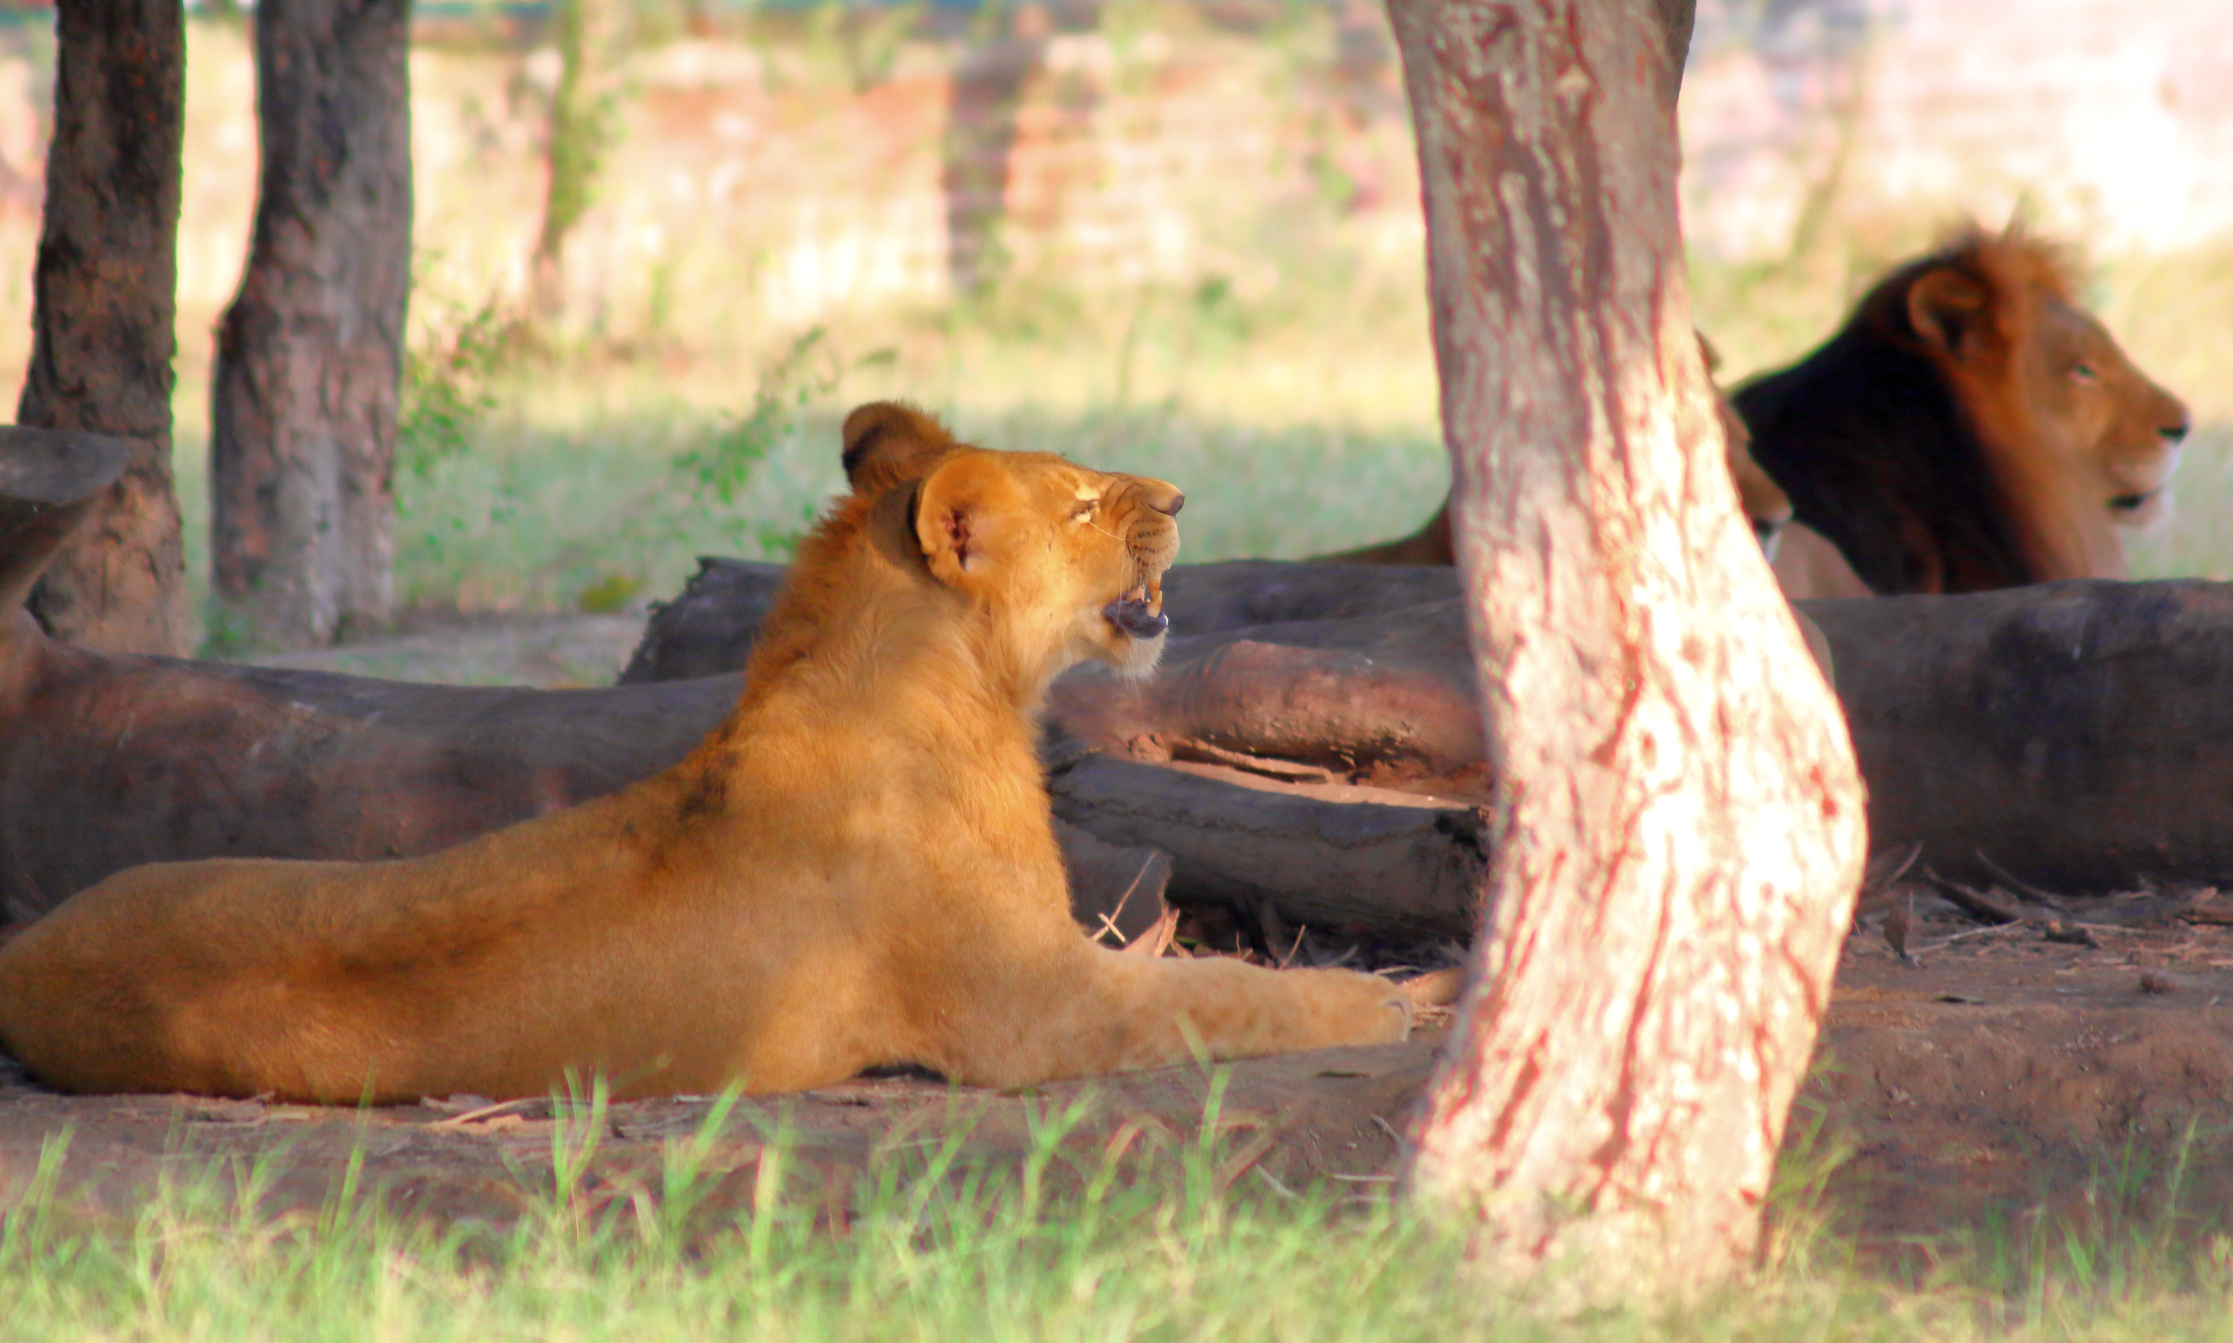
point(888, 442)
point(1946, 306)
point(960, 518)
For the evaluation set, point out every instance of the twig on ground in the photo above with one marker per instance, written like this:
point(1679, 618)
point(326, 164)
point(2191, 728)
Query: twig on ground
point(2020, 887)
point(1986, 931)
point(1979, 905)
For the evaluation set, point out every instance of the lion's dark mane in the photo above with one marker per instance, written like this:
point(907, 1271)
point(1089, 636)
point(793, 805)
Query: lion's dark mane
point(1868, 439)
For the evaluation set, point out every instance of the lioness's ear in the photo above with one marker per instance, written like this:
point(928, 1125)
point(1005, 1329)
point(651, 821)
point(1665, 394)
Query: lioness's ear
point(959, 517)
point(1945, 306)
point(887, 442)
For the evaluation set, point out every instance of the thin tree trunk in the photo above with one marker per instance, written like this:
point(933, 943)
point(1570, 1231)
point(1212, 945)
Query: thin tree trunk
point(583, 123)
point(310, 354)
point(1678, 827)
point(985, 94)
point(104, 315)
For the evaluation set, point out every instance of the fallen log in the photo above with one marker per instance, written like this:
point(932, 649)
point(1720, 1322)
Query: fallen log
point(110, 761)
point(2077, 735)
point(1390, 696)
point(1354, 861)
point(1349, 666)
point(709, 627)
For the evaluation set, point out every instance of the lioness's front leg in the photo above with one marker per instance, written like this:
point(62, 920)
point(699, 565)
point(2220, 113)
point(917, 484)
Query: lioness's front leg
point(1110, 1012)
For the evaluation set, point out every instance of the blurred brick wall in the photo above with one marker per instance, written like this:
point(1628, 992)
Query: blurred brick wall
point(2112, 120)
point(757, 186)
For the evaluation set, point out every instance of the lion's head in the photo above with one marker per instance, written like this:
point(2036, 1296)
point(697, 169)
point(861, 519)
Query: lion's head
point(2105, 413)
point(1971, 427)
point(1053, 562)
point(1062, 556)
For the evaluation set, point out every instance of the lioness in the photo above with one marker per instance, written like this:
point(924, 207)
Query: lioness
point(857, 868)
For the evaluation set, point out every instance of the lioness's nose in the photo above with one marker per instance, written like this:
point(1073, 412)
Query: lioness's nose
point(2172, 433)
point(1178, 501)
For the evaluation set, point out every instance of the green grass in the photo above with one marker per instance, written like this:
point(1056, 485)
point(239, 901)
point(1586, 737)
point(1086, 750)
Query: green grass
point(569, 484)
point(1183, 1239)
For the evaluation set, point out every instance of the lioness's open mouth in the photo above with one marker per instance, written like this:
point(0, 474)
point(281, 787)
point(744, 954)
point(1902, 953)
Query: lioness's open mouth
point(1139, 612)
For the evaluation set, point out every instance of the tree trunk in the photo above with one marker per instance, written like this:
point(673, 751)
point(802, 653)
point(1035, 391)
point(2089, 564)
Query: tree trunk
point(103, 325)
point(310, 355)
point(985, 93)
point(1677, 832)
point(584, 120)
point(1676, 19)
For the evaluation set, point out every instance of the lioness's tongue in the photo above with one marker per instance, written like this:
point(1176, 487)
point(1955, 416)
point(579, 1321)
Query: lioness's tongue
point(1137, 616)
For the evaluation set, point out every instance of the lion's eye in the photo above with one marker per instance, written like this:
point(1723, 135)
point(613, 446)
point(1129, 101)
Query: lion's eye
point(2083, 372)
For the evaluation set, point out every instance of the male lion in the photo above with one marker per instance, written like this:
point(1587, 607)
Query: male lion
point(857, 868)
point(1970, 427)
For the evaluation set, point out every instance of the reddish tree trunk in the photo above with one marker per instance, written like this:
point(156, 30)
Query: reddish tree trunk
point(310, 354)
point(1678, 827)
point(1676, 19)
point(104, 316)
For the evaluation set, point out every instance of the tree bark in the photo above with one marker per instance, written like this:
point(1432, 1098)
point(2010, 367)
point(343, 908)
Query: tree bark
point(1676, 20)
point(1678, 830)
point(103, 323)
point(583, 122)
point(310, 354)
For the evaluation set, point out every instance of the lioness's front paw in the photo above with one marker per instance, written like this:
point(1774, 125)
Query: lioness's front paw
point(1358, 1009)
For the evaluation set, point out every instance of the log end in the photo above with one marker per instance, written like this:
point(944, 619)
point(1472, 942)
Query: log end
point(53, 467)
point(49, 480)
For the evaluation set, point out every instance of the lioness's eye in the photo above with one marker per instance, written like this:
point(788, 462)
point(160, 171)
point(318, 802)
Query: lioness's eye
point(2083, 371)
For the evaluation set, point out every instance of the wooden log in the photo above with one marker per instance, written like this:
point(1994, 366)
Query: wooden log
point(107, 762)
point(1383, 692)
point(1348, 860)
point(110, 761)
point(2078, 735)
point(709, 628)
point(49, 481)
point(1345, 665)
point(1117, 891)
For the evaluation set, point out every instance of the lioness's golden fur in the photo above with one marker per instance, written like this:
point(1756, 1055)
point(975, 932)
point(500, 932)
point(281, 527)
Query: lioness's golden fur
point(858, 868)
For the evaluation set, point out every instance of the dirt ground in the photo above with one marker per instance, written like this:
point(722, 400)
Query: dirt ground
point(2072, 1056)
point(2001, 1073)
